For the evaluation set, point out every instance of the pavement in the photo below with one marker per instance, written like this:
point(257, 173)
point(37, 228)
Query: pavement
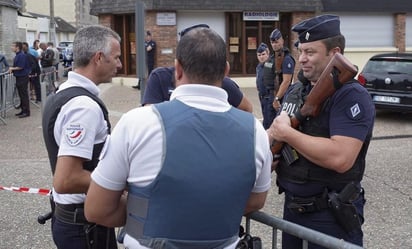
point(24, 163)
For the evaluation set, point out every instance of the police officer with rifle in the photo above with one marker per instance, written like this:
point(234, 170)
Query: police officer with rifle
point(325, 128)
point(277, 74)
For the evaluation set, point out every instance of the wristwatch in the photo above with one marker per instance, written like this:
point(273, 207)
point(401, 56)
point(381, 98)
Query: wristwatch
point(276, 98)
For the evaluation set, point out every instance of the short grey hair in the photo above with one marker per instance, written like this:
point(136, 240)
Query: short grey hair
point(92, 39)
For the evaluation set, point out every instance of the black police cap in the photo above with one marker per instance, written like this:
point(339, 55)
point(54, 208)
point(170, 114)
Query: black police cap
point(262, 47)
point(317, 28)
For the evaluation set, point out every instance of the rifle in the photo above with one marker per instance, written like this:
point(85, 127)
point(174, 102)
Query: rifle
point(279, 56)
point(338, 71)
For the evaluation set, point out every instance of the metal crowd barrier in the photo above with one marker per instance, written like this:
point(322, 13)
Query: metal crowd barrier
point(306, 234)
point(8, 94)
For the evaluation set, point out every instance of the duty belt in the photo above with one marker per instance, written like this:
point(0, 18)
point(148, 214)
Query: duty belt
point(70, 213)
point(307, 204)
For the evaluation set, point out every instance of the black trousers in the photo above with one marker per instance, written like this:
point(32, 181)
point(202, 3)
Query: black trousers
point(22, 84)
point(35, 81)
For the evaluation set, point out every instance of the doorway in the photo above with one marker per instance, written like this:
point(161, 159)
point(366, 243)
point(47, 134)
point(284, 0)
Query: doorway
point(244, 38)
point(124, 25)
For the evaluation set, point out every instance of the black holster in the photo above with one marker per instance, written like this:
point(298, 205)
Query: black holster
point(99, 237)
point(343, 208)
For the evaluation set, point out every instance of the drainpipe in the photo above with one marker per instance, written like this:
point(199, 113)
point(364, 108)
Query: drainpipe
point(140, 49)
point(52, 28)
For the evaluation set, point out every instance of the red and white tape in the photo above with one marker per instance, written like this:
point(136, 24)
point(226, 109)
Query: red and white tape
point(40, 191)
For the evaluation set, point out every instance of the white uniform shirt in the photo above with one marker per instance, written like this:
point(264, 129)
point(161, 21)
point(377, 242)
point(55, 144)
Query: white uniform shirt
point(134, 151)
point(79, 113)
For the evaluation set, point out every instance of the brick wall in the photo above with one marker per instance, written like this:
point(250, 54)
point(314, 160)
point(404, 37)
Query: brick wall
point(106, 20)
point(399, 32)
point(165, 38)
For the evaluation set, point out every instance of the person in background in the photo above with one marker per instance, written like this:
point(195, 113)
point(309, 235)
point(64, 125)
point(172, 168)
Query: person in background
point(21, 69)
point(192, 165)
point(56, 58)
point(47, 68)
point(150, 47)
point(321, 179)
point(278, 71)
point(161, 84)
point(4, 68)
point(4, 65)
point(75, 127)
point(265, 96)
point(32, 50)
point(39, 49)
point(36, 44)
point(34, 76)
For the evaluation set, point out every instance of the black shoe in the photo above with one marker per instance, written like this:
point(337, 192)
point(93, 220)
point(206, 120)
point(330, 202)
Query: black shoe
point(24, 115)
point(20, 113)
point(136, 87)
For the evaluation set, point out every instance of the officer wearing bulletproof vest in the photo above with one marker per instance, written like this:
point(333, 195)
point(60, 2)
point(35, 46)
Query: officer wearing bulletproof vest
point(277, 76)
point(75, 126)
point(185, 187)
point(265, 99)
point(323, 161)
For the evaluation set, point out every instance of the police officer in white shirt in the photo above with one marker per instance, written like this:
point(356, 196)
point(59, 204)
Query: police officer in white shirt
point(75, 127)
point(193, 166)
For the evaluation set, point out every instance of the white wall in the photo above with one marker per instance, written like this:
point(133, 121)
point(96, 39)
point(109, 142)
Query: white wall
point(64, 9)
point(35, 28)
point(366, 35)
point(368, 30)
point(215, 20)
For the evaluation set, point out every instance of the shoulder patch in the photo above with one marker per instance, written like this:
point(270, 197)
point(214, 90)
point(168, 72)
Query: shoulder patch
point(74, 134)
point(355, 112)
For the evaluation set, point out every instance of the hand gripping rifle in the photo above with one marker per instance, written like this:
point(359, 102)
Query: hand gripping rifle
point(337, 72)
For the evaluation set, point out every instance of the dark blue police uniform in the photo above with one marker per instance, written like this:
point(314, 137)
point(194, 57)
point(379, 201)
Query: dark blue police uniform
point(22, 81)
point(150, 55)
point(268, 79)
point(161, 84)
point(266, 95)
point(309, 188)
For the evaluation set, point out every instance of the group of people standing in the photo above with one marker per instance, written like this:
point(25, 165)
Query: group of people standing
point(181, 173)
point(274, 73)
point(30, 65)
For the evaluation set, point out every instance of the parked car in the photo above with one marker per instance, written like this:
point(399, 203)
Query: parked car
point(67, 54)
point(388, 79)
point(61, 46)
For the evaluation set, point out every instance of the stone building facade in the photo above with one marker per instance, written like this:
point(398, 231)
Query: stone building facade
point(370, 26)
point(75, 12)
point(8, 27)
